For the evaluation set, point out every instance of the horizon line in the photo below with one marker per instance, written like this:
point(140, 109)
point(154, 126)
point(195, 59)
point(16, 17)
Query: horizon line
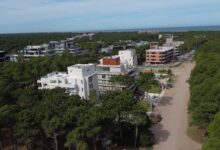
point(152, 29)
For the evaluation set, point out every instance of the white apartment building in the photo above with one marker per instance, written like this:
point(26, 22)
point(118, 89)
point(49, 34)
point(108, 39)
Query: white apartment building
point(128, 57)
point(123, 64)
point(80, 80)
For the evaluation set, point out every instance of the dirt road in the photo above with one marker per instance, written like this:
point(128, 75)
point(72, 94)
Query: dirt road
point(170, 133)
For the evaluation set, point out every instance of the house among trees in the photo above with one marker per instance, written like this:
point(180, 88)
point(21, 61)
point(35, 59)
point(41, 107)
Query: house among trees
point(3, 56)
point(80, 80)
point(116, 72)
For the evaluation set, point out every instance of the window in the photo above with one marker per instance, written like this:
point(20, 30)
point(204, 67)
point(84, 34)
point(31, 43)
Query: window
point(82, 81)
point(39, 84)
point(91, 86)
point(103, 76)
point(82, 89)
point(66, 81)
point(60, 81)
point(106, 69)
point(90, 79)
point(53, 81)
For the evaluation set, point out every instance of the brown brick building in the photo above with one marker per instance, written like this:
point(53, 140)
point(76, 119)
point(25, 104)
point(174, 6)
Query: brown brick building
point(160, 55)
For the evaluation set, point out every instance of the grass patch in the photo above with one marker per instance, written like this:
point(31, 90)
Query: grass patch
point(163, 71)
point(194, 132)
point(154, 89)
point(144, 105)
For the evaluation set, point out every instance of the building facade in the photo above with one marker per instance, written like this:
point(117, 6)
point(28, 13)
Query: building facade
point(128, 57)
point(60, 47)
point(3, 56)
point(122, 64)
point(160, 55)
point(80, 80)
point(36, 51)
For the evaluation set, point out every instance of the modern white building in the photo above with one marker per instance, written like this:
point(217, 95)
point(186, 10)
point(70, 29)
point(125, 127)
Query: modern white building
point(123, 64)
point(128, 57)
point(107, 49)
point(36, 51)
point(60, 47)
point(80, 80)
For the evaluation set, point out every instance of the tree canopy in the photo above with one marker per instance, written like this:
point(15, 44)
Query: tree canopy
point(205, 98)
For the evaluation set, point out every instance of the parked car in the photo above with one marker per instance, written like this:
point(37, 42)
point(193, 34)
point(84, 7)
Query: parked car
point(158, 118)
point(169, 86)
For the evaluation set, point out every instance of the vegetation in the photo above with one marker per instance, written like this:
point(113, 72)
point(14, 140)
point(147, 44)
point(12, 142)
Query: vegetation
point(13, 42)
point(122, 79)
point(147, 83)
point(192, 43)
point(52, 115)
point(204, 86)
point(141, 53)
point(195, 39)
point(212, 142)
point(113, 37)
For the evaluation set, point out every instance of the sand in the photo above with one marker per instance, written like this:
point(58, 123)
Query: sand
point(171, 132)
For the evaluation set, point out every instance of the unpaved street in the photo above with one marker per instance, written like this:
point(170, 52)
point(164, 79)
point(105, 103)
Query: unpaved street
point(171, 131)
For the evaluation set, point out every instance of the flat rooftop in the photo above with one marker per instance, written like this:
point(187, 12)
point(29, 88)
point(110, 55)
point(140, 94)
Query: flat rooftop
point(161, 49)
point(81, 66)
point(126, 50)
point(111, 57)
point(55, 74)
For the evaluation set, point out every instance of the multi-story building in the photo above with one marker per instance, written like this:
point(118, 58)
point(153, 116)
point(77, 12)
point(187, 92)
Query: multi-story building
point(160, 55)
point(3, 56)
point(122, 64)
point(128, 57)
point(80, 80)
point(63, 45)
point(107, 49)
point(36, 51)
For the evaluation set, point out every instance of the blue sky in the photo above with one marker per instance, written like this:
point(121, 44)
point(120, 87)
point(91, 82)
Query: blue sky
point(77, 15)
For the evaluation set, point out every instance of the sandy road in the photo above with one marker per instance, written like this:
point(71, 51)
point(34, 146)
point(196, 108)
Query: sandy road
point(170, 133)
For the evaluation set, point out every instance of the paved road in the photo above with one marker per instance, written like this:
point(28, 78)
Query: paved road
point(171, 132)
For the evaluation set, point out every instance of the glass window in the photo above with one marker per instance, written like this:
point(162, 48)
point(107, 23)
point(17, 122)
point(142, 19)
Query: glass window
point(53, 81)
point(90, 79)
point(91, 86)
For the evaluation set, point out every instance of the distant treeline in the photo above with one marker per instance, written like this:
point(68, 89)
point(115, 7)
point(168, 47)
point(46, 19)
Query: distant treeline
point(13, 42)
point(194, 39)
point(204, 105)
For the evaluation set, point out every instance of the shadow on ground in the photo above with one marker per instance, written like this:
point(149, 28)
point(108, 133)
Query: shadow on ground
point(162, 135)
point(166, 100)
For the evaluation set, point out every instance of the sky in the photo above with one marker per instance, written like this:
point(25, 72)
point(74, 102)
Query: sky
point(18, 16)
